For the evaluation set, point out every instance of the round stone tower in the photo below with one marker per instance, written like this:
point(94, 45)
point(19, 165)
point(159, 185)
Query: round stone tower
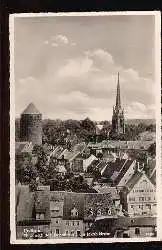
point(31, 125)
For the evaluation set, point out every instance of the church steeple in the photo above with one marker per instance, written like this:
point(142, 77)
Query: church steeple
point(118, 125)
point(118, 101)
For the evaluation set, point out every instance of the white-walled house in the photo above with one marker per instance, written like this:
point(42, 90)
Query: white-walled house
point(141, 196)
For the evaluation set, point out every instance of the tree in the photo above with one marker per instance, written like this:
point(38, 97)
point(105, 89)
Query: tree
point(88, 125)
point(41, 165)
point(152, 149)
point(26, 172)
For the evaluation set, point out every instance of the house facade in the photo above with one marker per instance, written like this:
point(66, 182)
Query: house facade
point(56, 213)
point(142, 227)
point(141, 197)
point(32, 213)
point(73, 214)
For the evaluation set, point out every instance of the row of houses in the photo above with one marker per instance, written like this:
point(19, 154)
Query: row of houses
point(122, 146)
point(130, 211)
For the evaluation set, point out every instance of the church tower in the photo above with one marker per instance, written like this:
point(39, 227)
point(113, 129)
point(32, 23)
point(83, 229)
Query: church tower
point(118, 124)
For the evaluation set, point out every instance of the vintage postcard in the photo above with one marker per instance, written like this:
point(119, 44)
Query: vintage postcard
point(85, 145)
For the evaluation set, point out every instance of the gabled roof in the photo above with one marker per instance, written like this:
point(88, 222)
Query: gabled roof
point(57, 196)
point(80, 147)
point(42, 204)
point(101, 165)
point(95, 201)
point(23, 147)
point(61, 169)
point(123, 171)
point(139, 145)
point(135, 178)
point(31, 110)
point(142, 221)
point(113, 167)
point(108, 190)
point(151, 167)
point(57, 151)
point(26, 204)
point(68, 155)
point(94, 163)
point(88, 161)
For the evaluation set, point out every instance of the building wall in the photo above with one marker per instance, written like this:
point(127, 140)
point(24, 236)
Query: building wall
point(142, 198)
point(56, 228)
point(71, 227)
point(56, 211)
point(31, 128)
point(143, 231)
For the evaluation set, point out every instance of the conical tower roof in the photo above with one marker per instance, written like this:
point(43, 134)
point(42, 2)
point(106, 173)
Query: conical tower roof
point(118, 101)
point(31, 110)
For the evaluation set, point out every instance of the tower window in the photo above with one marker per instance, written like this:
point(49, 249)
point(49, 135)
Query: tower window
point(137, 231)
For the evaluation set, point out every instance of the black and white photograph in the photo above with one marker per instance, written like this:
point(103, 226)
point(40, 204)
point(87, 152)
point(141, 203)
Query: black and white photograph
point(85, 143)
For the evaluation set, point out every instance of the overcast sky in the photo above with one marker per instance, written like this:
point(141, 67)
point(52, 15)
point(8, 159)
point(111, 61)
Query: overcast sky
point(68, 66)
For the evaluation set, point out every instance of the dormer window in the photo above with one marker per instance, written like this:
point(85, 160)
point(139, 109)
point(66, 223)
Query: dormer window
point(74, 212)
point(40, 216)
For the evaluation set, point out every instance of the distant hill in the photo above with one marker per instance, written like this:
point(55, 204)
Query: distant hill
point(137, 121)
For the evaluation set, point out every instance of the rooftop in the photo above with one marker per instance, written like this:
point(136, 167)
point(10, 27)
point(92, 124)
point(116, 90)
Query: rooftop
point(122, 144)
point(31, 110)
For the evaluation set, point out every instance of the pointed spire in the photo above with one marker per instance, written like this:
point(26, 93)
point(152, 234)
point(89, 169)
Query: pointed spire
point(118, 101)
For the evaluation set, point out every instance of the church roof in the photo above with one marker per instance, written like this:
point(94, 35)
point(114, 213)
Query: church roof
point(31, 110)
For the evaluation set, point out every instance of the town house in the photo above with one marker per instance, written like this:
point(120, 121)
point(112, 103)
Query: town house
point(141, 195)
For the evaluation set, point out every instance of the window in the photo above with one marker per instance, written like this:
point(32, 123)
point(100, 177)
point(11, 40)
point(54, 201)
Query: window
point(57, 231)
point(73, 223)
point(78, 223)
point(132, 206)
point(131, 199)
point(57, 221)
point(72, 233)
point(74, 212)
point(40, 216)
point(67, 233)
point(67, 223)
point(137, 231)
point(141, 198)
point(148, 206)
point(78, 234)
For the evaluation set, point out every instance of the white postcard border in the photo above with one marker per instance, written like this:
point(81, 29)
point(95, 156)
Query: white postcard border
point(13, 239)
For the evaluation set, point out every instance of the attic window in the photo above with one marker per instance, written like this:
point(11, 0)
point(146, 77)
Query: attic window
point(55, 209)
point(40, 216)
point(74, 212)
